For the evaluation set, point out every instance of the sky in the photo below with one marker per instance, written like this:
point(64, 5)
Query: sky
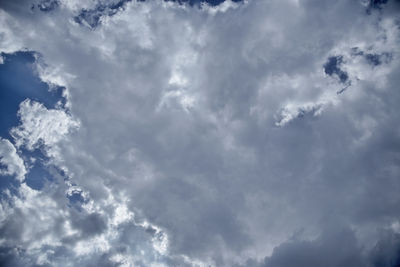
point(259, 133)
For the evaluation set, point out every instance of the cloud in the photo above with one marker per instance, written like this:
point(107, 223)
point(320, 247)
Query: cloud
point(41, 126)
point(11, 161)
point(103, 232)
point(210, 136)
point(336, 248)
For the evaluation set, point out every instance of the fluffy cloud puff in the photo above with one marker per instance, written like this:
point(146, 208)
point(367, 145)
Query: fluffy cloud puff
point(222, 129)
point(41, 126)
point(12, 162)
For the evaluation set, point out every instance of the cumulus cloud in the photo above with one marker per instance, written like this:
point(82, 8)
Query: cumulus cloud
point(11, 161)
point(211, 135)
point(41, 126)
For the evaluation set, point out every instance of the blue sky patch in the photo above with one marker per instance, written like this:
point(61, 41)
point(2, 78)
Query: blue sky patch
point(332, 68)
point(18, 81)
point(47, 5)
point(197, 2)
point(378, 59)
point(92, 17)
point(38, 174)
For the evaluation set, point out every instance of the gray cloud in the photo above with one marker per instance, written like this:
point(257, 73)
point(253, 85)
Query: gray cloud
point(213, 136)
point(337, 248)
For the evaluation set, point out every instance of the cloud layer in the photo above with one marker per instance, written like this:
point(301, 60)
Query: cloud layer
point(254, 133)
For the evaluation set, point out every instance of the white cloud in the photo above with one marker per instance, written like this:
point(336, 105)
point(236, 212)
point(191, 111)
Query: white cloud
point(9, 159)
point(223, 7)
point(40, 125)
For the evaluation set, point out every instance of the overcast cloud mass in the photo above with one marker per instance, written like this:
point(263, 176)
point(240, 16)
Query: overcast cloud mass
point(260, 133)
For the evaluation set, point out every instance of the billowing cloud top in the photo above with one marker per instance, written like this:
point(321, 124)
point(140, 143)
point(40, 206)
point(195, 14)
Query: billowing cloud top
point(203, 133)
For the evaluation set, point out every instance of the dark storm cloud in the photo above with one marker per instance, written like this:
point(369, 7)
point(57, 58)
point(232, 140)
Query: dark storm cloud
point(386, 252)
point(377, 4)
